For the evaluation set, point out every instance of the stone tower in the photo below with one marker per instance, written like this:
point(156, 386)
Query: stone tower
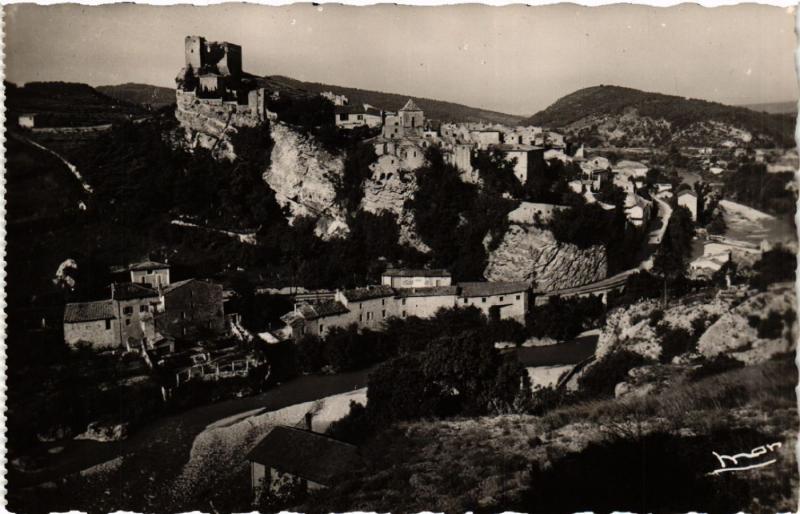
point(412, 119)
point(194, 47)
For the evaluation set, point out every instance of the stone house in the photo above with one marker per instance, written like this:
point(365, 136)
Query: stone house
point(497, 300)
point(124, 321)
point(424, 302)
point(315, 319)
point(370, 307)
point(92, 322)
point(288, 459)
point(416, 278)
point(191, 307)
point(26, 121)
point(154, 274)
point(134, 306)
point(527, 159)
point(352, 116)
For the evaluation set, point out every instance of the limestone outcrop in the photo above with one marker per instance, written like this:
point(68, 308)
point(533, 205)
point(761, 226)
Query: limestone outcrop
point(303, 174)
point(758, 328)
point(387, 191)
point(529, 254)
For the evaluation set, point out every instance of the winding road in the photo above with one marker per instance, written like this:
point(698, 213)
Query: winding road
point(152, 457)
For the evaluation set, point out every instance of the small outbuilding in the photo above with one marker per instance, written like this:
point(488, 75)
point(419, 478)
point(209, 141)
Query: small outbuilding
point(291, 458)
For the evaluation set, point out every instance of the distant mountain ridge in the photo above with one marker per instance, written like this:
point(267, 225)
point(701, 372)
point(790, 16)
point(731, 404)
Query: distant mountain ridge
point(624, 116)
point(157, 96)
point(141, 94)
point(436, 109)
point(788, 107)
point(67, 104)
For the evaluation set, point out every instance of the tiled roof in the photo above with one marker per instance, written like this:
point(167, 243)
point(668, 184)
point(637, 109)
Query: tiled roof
point(322, 310)
point(410, 106)
point(305, 454)
point(406, 272)
point(89, 311)
point(366, 293)
point(427, 291)
point(129, 291)
point(147, 265)
point(473, 289)
point(175, 285)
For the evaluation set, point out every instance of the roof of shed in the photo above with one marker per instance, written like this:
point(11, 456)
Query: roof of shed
point(305, 454)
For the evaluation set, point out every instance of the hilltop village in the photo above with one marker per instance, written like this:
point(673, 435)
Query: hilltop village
point(278, 278)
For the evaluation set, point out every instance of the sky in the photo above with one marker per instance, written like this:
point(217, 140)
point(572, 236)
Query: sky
point(515, 59)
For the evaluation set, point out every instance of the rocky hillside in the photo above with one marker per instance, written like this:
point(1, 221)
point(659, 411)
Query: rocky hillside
point(303, 174)
point(140, 94)
point(529, 254)
point(621, 116)
point(387, 190)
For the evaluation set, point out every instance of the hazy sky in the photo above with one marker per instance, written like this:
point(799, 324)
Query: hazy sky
point(514, 59)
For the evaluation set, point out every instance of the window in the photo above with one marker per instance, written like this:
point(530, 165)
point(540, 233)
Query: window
point(383, 314)
point(369, 316)
point(383, 301)
point(321, 328)
point(127, 310)
point(465, 301)
point(483, 300)
point(149, 272)
point(360, 317)
point(501, 298)
point(518, 297)
point(108, 324)
point(143, 308)
point(183, 315)
point(127, 322)
point(404, 314)
point(403, 301)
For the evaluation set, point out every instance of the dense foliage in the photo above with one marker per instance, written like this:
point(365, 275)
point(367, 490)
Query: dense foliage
point(454, 217)
point(752, 185)
point(564, 318)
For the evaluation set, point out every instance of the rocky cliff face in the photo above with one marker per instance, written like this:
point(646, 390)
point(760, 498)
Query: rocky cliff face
point(303, 174)
point(529, 254)
point(207, 123)
point(387, 191)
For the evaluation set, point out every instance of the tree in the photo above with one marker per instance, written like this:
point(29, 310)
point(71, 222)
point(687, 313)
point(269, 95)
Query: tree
point(672, 257)
point(776, 265)
point(399, 390)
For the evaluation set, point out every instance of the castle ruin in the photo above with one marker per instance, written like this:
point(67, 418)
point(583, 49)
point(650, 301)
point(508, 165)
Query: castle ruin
point(213, 93)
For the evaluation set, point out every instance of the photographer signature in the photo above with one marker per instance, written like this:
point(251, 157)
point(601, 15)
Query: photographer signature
point(744, 461)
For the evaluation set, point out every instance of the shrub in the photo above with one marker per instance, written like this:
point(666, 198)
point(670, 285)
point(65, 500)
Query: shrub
point(354, 428)
point(776, 265)
point(771, 327)
point(655, 317)
point(714, 366)
point(676, 341)
point(600, 378)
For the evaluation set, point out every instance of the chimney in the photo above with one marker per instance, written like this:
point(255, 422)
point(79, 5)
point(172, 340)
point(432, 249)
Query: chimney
point(309, 418)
